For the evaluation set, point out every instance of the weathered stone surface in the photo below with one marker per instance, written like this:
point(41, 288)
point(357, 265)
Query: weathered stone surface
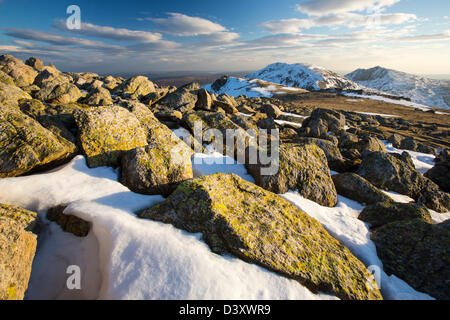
point(354, 187)
point(10, 94)
point(68, 223)
point(63, 93)
point(183, 99)
point(135, 87)
point(417, 252)
point(302, 167)
point(22, 74)
point(367, 143)
point(204, 100)
point(410, 143)
point(386, 212)
point(17, 250)
point(225, 106)
point(395, 172)
point(106, 132)
point(271, 110)
point(98, 97)
point(440, 173)
point(323, 121)
point(25, 144)
point(35, 63)
point(258, 226)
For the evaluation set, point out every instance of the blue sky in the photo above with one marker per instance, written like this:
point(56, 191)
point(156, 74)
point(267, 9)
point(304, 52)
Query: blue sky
point(157, 36)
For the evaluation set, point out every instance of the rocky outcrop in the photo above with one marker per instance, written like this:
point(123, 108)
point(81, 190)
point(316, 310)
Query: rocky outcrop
point(10, 95)
point(105, 133)
point(183, 99)
point(258, 226)
point(417, 252)
point(302, 167)
point(323, 121)
point(35, 63)
point(395, 172)
point(271, 110)
point(354, 187)
point(17, 250)
point(98, 97)
point(26, 145)
point(386, 212)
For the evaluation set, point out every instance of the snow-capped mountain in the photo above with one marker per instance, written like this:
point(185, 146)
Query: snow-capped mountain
point(250, 88)
point(306, 76)
point(435, 93)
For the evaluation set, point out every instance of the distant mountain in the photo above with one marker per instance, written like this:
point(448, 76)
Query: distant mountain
point(434, 93)
point(306, 76)
point(251, 88)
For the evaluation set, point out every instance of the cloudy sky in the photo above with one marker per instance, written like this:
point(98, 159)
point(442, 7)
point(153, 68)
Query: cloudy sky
point(233, 35)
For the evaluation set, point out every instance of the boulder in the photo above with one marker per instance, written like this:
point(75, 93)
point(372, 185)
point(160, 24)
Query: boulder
point(98, 97)
point(440, 173)
point(69, 223)
point(183, 99)
point(301, 167)
point(10, 95)
point(237, 217)
point(25, 145)
point(105, 133)
point(22, 74)
point(395, 172)
point(367, 143)
point(204, 101)
point(383, 213)
point(354, 187)
point(135, 87)
point(35, 63)
point(271, 110)
point(410, 143)
point(17, 250)
point(418, 253)
point(323, 121)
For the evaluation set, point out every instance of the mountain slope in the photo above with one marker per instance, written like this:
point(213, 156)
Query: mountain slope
point(306, 76)
point(435, 93)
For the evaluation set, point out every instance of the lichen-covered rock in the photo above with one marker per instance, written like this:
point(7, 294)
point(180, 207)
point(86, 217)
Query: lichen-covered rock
point(410, 143)
point(354, 187)
point(98, 97)
point(68, 223)
point(63, 93)
point(395, 172)
point(106, 132)
point(302, 167)
point(237, 217)
point(17, 250)
point(368, 143)
point(323, 121)
point(156, 168)
point(271, 110)
point(382, 213)
point(204, 101)
point(418, 253)
point(10, 95)
point(35, 63)
point(25, 144)
point(183, 99)
point(22, 74)
point(135, 87)
point(440, 173)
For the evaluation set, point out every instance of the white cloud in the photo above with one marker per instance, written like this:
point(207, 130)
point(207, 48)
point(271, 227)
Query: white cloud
point(350, 20)
point(119, 34)
point(327, 7)
point(178, 24)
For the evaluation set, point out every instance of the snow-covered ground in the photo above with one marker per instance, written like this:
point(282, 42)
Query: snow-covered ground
point(419, 89)
point(251, 88)
point(125, 257)
point(422, 161)
point(394, 101)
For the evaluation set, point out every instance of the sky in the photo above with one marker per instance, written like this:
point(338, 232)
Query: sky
point(138, 36)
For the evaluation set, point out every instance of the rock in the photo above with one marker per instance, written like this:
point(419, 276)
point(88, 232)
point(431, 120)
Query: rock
point(395, 172)
point(271, 110)
point(440, 174)
point(396, 140)
point(10, 95)
point(183, 99)
point(68, 223)
point(56, 87)
point(22, 74)
point(227, 107)
point(35, 63)
point(411, 144)
point(157, 95)
point(382, 213)
point(135, 87)
point(354, 187)
point(156, 168)
point(63, 93)
point(26, 145)
point(98, 97)
point(347, 140)
point(204, 101)
point(417, 252)
point(302, 167)
point(237, 217)
point(105, 133)
point(17, 250)
point(245, 109)
point(267, 123)
point(367, 143)
point(5, 79)
point(323, 121)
